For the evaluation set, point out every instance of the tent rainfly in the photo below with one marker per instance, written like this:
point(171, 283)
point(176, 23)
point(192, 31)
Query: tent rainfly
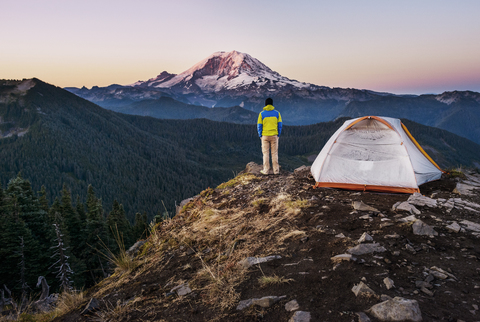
point(374, 153)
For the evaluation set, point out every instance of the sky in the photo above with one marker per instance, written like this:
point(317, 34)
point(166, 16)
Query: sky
point(401, 47)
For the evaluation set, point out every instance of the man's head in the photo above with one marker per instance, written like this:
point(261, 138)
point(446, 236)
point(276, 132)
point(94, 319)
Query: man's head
point(269, 101)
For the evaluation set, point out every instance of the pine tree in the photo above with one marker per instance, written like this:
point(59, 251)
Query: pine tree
point(140, 228)
point(95, 235)
point(64, 272)
point(117, 220)
point(72, 221)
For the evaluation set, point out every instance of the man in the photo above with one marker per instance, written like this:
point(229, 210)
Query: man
point(269, 127)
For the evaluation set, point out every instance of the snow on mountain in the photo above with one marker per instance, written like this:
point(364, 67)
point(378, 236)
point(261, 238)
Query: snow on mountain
point(224, 71)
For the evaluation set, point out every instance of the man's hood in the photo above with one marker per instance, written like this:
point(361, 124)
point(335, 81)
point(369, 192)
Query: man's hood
point(269, 108)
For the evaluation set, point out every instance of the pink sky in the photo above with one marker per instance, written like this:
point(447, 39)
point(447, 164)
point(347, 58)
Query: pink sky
point(427, 46)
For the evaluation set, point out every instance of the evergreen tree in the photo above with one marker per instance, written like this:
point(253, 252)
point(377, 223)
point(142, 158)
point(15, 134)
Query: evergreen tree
point(95, 235)
point(117, 220)
point(72, 221)
point(64, 272)
point(140, 228)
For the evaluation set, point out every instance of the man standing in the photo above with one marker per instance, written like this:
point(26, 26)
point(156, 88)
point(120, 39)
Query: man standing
point(269, 127)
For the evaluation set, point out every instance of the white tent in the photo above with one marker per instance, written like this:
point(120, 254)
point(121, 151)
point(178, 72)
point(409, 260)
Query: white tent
point(374, 153)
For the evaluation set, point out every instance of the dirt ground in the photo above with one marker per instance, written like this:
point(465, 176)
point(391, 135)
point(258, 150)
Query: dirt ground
point(256, 216)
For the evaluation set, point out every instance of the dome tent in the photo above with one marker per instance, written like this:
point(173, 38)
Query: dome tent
point(374, 153)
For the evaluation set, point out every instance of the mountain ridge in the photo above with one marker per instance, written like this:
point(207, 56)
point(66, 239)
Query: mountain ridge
point(227, 79)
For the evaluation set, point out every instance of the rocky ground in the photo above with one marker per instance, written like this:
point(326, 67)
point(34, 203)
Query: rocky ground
point(273, 248)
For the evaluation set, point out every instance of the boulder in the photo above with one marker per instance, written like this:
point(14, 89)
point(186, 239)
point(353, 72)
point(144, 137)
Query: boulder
point(454, 227)
point(397, 309)
point(469, 225)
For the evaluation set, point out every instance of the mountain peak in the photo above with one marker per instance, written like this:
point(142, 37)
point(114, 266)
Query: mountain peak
point(222, 71)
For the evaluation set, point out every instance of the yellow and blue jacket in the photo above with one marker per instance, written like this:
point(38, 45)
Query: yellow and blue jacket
point(269, 122)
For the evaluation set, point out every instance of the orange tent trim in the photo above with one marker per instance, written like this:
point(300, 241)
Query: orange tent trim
point(361, 187)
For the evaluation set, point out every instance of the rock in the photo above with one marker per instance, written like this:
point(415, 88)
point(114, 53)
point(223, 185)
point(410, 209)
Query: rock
point(244, 304)
point(365, 237)
point(366, 249)
point(397, 309)
point(388, 283)
point(365, 217)
point(465, 189)
point(341, 235)
point(418, 199)
point(362, 317)
point(92, 306)
point(410, 248)
point(135, 248)
point(408, 219)
point(360, 206)
point(469, 225)
point(437, 269)
point(303, 171)
point(341, 257)
point(454, 227)
point(422, 229)
point(265, 301)
point(363, 290)
point(250, 261)
point(292, 306)
point(183, 203)
point(426, 291)
point(300, 316)
point(405, 206)
point(182, 289)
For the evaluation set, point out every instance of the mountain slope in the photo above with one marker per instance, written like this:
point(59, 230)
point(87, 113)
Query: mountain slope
point(242, 251)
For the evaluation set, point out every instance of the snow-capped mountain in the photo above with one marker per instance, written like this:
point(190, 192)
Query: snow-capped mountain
point(224, 71)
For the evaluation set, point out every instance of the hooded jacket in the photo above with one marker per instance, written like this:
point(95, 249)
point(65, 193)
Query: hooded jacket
point(269, 122)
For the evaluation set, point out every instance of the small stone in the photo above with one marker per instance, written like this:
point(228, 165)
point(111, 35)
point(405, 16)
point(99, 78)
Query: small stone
point(300, 316)
point(388, 283)
point(410, 248)
point(365, 237)
point(292, 306)
point(366, 249)
point(360, 206)
point(250, 261)
point(426, 291)
point(341, 257)
point(182, 289)
point(362, 317)
point(341, 235)
point(475, 306)
point(362, 289)
point(422, 229)
point(385, 297)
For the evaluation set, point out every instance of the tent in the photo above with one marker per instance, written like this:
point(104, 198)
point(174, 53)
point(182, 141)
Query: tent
point(374, 153)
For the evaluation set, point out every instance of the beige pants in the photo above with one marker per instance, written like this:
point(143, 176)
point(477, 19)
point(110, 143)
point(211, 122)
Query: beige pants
point(270, 143)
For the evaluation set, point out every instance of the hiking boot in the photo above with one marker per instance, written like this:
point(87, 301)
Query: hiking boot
point(264, 172)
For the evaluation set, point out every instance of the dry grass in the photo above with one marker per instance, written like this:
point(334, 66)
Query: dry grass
point(217, 283)
point(265, 281)
point(243, 179)
point(294, 234)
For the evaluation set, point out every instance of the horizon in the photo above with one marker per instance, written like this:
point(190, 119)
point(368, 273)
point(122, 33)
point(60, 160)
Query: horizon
point(400, 48)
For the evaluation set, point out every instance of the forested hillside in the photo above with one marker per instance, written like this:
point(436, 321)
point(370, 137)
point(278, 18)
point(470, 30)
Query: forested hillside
point(53, 137)
point(62, 242)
